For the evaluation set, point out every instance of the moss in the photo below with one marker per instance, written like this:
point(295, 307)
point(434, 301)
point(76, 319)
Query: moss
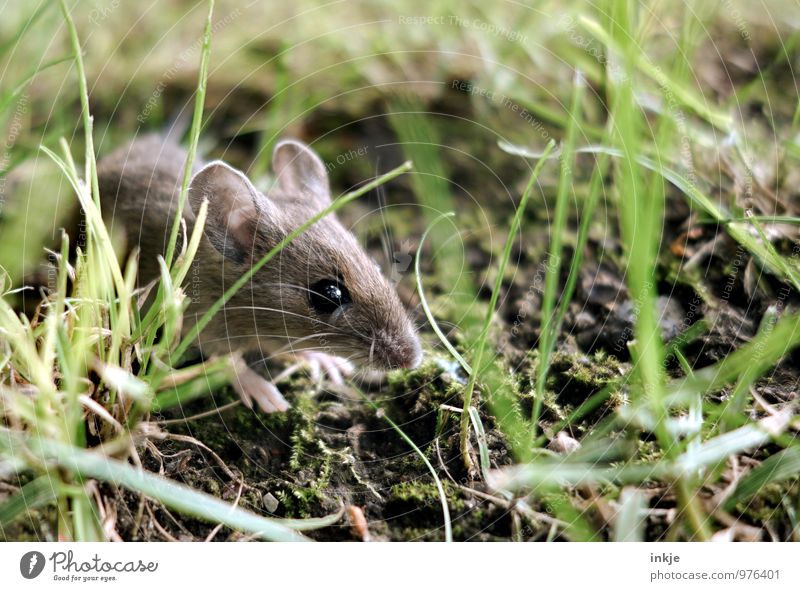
point(648, 451)
point(239, 419)
point(619, 397)
point(768, 505)
point(589, 371)
point(36, 525)
point(423, 493)
point(414, 492)
point(420, 534)
point(310, 461)
point(298, 500)
point(478, 515)
point(431, 384)
point(572, 379)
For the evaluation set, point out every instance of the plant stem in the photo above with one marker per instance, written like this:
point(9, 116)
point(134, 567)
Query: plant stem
point(483, 336)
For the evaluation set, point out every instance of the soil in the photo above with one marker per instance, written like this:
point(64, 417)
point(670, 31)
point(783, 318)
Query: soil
point(334, 450)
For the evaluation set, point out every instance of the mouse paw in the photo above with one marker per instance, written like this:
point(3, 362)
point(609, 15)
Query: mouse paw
point(321, 364)
point(252, 387)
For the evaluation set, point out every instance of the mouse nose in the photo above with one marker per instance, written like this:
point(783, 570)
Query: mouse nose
point(415, 358)
point(404, 353)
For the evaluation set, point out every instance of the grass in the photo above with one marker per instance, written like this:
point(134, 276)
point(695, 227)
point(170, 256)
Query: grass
point(448, 526)
point(95, 327)
point(640, 196)
point(615, 102)
point(551, 324)
point(479, 344)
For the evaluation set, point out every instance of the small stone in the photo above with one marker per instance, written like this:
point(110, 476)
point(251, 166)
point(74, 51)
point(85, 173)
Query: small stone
point(563, 443)
point(270, 502)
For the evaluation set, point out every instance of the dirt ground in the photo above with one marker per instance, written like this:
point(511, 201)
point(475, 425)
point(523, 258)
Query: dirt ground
point(333, 450)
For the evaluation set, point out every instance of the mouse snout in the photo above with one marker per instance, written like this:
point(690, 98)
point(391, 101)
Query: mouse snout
point(397, 351)
point(411, 356)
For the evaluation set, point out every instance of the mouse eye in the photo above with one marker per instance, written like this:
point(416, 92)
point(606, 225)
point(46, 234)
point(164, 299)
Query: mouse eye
point(327, 295)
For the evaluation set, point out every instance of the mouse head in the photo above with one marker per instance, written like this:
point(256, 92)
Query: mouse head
point(322, 291)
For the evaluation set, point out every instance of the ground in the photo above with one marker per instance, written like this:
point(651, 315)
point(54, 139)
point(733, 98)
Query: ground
point(335, 450)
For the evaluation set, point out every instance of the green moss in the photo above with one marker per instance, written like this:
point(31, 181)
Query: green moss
point(422, 392)
point(419, 534)
point(590, 371)
point(298, 500)
point(648, 451)
point(419, 493)
point(426, 381)
point(414, 492)
point(310, 461)
point(770, 502)
point(239, 419)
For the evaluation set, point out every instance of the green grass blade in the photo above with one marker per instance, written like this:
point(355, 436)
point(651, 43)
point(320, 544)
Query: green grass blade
point(424, 300)
point(754, 358)
point(37, 493)
point(699, 105)
point(448, 528)
point(720, 448)
point(782, 466)
point(91, 161)
point(551, 321)
point(480, 437)
point(215, 374)
point(173, 494)
point(194, 133)
point(577, 527)
point(631, 516)
point(480, 345)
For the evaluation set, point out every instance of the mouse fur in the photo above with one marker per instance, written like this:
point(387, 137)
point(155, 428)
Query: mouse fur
point(279, 310)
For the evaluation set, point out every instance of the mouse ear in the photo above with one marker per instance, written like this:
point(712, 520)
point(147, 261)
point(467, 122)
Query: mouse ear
point(299, 171)
point(234, 208)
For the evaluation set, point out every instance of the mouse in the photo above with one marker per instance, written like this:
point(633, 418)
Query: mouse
point(322, 302)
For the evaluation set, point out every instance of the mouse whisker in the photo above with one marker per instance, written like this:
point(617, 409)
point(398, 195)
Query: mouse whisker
point(280, 311)
point(386, 237)
point(302, 339)
point(289, 352)
point(292, 285)
point(253, 336)
point(354, 331)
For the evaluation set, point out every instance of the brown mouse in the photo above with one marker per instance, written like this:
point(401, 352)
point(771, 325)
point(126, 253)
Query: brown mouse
point(322, 299)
